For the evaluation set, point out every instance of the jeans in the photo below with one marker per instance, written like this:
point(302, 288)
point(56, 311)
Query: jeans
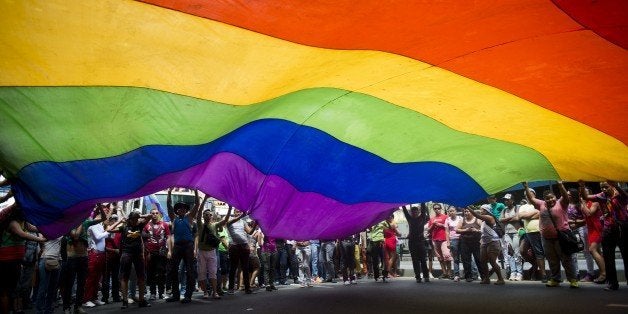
point(183, 252)
point(455, 255)
point(514, 262)
point(303, 254)
point(314, 248)
point(47, 292)
point(584, 234)
point(327, 250)
point(269, 259)
point(377, 256)
point(74, 269)
point(470, 248)
point(419, 258)
point(156, 278)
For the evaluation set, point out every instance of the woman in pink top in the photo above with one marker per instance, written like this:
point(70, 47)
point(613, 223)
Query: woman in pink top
point(556, 210)
point(390, 245)
point(440, 238)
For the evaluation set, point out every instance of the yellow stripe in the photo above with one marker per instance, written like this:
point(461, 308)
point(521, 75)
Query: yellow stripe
point(123, 43)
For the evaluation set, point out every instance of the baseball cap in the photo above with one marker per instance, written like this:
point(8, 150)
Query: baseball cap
point(508, 196)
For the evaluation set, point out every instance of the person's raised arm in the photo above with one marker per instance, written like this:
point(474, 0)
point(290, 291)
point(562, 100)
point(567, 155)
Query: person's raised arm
point(616, 186)
point(171, 212)
point(488, 218)
point(195, 209)
point(250, 228)
point(564, 196)
point(116, 226)
point(529, 195)
point(199, 214)
point(405, 211)
point(225, 220)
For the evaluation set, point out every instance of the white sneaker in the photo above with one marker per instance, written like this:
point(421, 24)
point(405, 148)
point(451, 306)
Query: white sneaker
point(519, 277)
point(131, 301)
point(346, 283)
point(99, 303)
point(353, 282)
point(89, 304)
point(432, 276)
point(512, 277)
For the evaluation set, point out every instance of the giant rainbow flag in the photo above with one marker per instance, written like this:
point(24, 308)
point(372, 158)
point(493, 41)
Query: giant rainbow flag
point(316, 117)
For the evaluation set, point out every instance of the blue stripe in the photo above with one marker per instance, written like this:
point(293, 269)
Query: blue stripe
point(308, 158)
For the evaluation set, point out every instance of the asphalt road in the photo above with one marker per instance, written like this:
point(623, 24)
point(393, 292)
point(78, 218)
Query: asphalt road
point(404, 295)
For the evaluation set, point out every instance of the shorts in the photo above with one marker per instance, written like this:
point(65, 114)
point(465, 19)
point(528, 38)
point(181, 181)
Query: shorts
point(534, 239)
point(128, 259)
point(207, 264)
point(493, 248)
point(442, 251)
point(254, 262)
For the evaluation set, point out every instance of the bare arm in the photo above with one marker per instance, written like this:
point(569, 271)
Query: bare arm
point(564, 196)
point(15, 228)
point(169, 205)
point(116, 226)
point(195, 208)
point(488, 218)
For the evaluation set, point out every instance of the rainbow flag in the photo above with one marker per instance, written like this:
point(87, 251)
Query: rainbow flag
point(316, 117)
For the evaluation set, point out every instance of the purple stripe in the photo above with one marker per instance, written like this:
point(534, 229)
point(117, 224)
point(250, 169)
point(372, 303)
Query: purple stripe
point(282, 210)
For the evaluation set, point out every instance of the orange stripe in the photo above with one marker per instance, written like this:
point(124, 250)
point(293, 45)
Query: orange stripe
point(514, 45)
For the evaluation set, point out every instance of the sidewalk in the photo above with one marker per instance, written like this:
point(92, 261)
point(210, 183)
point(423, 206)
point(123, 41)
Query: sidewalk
point(405, 267)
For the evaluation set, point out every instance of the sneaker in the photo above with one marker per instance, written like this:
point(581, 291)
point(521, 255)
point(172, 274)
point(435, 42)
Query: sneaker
point(143, 303)
point(152, 297)
point(302, 285)
point(552, 283)
point(346, 283)
point(573, 283)
point(89, 304)
point(519, 277)
point(131, 300)
point(309, 284)
point(457, 279)
point(268, 288)
point(587, 278)
point(432, 276)
point(205, 295)
point(353, 282)
point(512, 277)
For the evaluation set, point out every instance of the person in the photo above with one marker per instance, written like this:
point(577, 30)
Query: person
point(416, 222)
point(315, 246)
point(269, 259)
point(377, 251)
point(390, 245)
point(451, 224)
point(223, 258)
point(181, 248)
point(238, 249)
point(13, 234)
point(303, 253)
point(553, 217)
point(96, 259)
point(490, 244)
point(208, 242)
point(111, 278)
point(49, 271)
point(512, 255)
point(614, 202)
point(577, 223)
point(593, 217)
point(529, 214)
point(76, 266)
point(440, 239)
point(158, 232)
point(132, 254)
point(469, 229)
point(496, 207)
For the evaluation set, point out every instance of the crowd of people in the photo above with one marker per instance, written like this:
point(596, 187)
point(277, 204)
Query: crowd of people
point(144, 257)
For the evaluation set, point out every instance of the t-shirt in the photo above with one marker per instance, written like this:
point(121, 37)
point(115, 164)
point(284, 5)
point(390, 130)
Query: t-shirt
point(223, 234)
point(509, 213)
point(531, 225)
point(451, 225)
point(415, 225)
point(131, 240)
point(545, 222)
point(158, 234)
point(438, 232)
point(52, 249)
point(238, 233)
point(497, 208)
point(182, 230)
point(377, 232)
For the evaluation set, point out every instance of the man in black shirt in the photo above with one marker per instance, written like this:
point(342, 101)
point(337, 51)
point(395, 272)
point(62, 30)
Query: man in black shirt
point(416, 223)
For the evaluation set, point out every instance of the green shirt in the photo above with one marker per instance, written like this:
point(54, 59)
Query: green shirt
point(377, 232)
point(224, 234)
point(201, 243)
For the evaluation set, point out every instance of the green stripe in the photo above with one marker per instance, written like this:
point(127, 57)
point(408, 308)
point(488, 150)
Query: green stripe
point(74, 123)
